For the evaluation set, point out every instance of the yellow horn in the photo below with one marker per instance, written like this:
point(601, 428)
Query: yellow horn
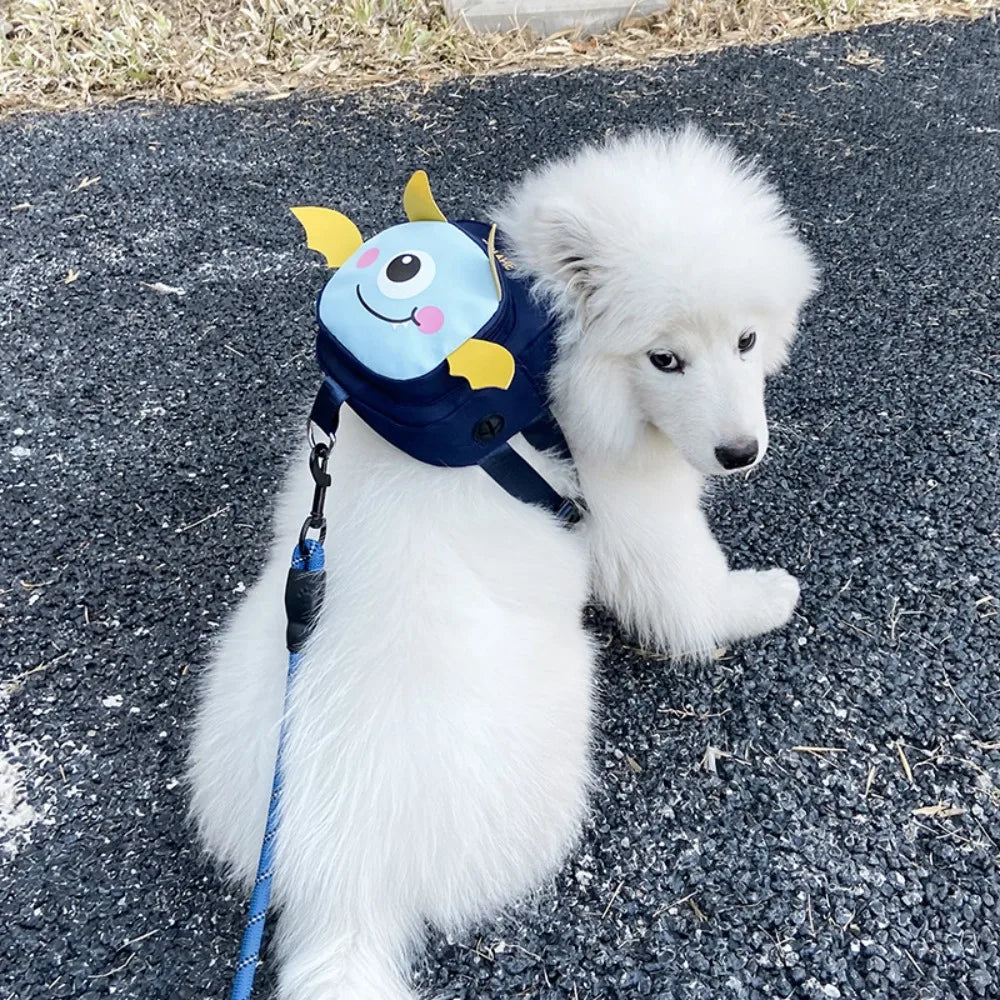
point(330, 233)
point(419, 202)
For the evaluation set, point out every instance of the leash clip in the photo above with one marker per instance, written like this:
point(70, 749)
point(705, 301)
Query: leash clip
point(319, 459)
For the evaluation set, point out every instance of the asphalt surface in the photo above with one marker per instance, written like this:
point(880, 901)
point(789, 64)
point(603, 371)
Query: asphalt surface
point(143, 433)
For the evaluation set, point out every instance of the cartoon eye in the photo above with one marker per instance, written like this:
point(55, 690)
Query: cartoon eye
point(406, 275)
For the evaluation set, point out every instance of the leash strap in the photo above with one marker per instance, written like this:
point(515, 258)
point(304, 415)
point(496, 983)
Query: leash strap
point(304, 591)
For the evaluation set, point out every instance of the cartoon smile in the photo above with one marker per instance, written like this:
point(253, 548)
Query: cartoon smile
point(412, 318)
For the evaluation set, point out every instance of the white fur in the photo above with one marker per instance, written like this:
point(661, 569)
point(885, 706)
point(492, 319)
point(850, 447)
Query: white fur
point(437, 764)
point(664, 242)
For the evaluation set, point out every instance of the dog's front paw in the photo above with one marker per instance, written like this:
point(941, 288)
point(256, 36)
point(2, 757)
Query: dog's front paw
point(761, 600)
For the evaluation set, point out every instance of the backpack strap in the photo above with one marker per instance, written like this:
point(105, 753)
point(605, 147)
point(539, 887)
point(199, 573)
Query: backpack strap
point(544, 434)
point(326, 408)
point(523, 482)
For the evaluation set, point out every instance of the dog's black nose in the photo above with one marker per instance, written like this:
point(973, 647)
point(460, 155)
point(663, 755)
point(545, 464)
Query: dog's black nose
point(738, 454)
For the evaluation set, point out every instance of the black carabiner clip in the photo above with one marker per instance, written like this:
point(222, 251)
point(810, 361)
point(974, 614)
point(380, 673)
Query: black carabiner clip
point(319, 459)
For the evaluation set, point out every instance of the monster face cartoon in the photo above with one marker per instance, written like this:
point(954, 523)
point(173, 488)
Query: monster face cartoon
point(412, 297)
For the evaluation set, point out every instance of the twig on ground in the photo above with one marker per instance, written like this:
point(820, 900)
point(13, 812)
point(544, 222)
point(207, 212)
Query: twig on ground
point(689, 713)
point(958, 698)
point(202, 520)
point(111, 972)
point(940, 810)
point(611, 901)
point(17, 681)
point(904, 762)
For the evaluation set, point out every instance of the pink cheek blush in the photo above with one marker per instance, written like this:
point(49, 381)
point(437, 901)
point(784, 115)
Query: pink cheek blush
point(368, 257)
point(429, 319)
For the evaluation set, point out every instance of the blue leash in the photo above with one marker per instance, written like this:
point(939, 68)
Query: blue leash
point(303, 600)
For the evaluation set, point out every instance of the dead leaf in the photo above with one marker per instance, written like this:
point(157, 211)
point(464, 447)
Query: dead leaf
point(710, 759)
point(940, 810)
point(865, 59)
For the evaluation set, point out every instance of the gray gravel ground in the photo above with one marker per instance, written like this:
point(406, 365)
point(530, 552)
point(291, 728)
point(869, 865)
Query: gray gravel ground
point(143, 432)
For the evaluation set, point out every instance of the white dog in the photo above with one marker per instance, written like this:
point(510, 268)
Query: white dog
point(437, 765)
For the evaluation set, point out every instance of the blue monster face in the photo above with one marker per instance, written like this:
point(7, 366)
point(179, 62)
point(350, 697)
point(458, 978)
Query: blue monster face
point(408, 298)
point(411, 297)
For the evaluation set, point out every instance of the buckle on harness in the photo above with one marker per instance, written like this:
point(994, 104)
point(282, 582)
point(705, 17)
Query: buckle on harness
point(570, 512)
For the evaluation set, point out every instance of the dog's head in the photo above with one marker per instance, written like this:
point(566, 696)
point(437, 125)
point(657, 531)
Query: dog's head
point(678, 278)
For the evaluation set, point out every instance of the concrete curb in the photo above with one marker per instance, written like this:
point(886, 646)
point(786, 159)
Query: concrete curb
point(546, 17)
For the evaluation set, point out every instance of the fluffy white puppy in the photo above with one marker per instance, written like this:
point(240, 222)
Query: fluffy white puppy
point(437, 764)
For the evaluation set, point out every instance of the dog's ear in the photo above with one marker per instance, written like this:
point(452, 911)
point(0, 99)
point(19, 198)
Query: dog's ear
point(776, 347)
point(566, 254)
point(551, 239)
point(800, 277)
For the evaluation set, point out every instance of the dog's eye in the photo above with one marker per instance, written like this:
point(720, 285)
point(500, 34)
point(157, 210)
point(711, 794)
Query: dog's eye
point(747, 339)
point(666, 361)
point(406, 275)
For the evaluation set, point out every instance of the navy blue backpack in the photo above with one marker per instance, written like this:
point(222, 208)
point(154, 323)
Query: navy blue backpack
point(427, 335)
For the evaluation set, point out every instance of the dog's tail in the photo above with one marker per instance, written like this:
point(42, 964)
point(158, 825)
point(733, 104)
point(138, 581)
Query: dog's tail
point(347, 965)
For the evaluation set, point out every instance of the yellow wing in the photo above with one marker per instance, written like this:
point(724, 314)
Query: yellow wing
point(418, 201)
point(330, 233)
point(483, 364)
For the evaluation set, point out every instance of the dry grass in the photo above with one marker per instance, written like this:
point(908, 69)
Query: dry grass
point(74, 53)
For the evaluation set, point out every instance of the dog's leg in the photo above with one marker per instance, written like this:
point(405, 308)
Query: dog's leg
point(656, 564)
point(235, 738)
point(757, 601)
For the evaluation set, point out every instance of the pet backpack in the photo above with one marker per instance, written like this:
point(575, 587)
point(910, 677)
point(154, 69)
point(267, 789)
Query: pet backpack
point(426, 335)
point(445, 355)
